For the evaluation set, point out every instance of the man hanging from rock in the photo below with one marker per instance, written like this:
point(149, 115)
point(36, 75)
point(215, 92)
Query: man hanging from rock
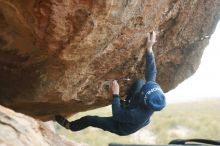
point(143, 99)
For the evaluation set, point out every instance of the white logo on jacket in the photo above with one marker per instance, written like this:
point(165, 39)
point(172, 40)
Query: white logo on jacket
point(151, 91)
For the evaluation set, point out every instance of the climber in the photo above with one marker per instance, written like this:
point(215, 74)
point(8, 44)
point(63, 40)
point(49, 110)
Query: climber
point(142, 101)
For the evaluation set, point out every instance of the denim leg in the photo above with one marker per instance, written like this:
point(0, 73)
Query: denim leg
point(104, 123)
point(134, 89)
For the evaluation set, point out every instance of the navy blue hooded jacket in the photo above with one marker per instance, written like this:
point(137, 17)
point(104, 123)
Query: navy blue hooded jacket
point(150, 99)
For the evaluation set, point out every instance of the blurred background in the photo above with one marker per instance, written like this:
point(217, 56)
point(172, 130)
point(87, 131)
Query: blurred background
point(193, 109)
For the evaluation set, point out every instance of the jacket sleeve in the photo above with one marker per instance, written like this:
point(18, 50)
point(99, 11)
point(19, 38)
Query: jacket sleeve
point(118, 113)
point(150, 70)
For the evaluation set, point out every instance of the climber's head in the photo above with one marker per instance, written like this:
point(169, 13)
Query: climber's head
point(153, 96)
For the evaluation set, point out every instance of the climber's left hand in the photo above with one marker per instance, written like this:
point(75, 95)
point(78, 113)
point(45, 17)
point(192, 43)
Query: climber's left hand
point(115, 88)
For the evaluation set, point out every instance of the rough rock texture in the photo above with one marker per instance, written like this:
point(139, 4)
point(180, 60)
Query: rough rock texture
point(20, 130)
point(57, 56)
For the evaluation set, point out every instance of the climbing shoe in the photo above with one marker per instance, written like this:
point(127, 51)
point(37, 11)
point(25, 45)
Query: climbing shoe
point(62, 121)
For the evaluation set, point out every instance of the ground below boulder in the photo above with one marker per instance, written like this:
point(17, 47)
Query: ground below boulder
point(20, 130)
point(58, 56)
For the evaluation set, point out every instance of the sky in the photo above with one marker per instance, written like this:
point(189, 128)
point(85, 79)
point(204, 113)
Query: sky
point(205, 83)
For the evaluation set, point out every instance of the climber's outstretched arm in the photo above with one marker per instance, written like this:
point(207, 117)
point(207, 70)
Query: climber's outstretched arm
point(150, 70)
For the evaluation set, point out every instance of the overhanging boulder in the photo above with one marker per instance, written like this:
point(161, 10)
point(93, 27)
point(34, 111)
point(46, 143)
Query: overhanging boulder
point(58, 56)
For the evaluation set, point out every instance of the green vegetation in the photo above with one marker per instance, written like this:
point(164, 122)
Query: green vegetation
point(180, 120)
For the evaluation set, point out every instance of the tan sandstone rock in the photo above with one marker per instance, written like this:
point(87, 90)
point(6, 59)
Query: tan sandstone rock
point(57, 56)
point(20, 130)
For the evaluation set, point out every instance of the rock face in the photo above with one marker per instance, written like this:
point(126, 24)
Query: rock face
point(57, 56)
point(20, 130)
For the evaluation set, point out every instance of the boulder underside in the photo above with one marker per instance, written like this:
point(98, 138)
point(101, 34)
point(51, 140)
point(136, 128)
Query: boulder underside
point(58, 56)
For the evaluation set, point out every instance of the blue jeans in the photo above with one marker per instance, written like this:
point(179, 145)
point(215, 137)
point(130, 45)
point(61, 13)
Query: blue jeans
point(104, 123)
point(107, 123)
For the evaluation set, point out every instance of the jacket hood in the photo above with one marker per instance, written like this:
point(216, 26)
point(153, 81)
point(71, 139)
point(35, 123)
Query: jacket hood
point(153, 96)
